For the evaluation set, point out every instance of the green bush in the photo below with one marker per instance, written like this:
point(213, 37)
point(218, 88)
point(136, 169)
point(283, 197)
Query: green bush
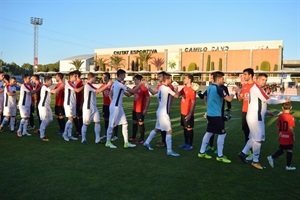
point(265, 66)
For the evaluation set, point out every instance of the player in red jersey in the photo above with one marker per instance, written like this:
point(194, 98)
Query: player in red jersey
point(140, 106)
point(59, 102)
point(79, 103)
point(285, 124)
point(37, 85)
point(187, 105)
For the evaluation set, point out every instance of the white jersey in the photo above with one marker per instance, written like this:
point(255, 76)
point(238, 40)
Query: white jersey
point(2, 93)
point(89, 102)
point(45, 99)
point(25, 95)
point(164, 96)
point(118, 90)
point(10, 101)
point(70, 95)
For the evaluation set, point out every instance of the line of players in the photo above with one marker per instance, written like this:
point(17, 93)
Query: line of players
point(69, 102)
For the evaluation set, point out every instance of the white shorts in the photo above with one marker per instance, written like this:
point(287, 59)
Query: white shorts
point(116, 116)
point(10, 111)
point(70, 111)
point(89, 115)
point(163, 123)
point(1, 104)
point(24, 111)
point(45, 113)
point(257, 130)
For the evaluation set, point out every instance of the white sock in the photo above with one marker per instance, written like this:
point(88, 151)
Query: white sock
point(97, 129)
point(21, 125)
point(256, 151)
point(205, 141)
point(25, 126)
point(12, 123)
point(83, 132)
point(109, 134)
point(220, 143)
point(150, 137)
point(248, 146)
point(42, 129)
point(125, 132)
point(5, 120)
point(68, 128)
point(169, 142)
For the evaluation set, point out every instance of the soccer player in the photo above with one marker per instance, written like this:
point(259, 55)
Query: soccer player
point(1, 95)
point(257, 109)
point(243, 95)
point(70, 106)
point(106, 103)
point(89, 109)
point(10, 104)
point(37, 86)
point(163, 122)
point(285, 124)
point(79, 103)
point(25, 105)
point(215, 122)
point(117, 114)
point(59, 102)
point(187, 107)
point(140, 106)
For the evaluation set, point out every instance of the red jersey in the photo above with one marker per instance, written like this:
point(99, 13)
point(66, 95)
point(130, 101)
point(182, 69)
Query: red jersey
point(105, 93)
point(38, 94)
point(284, 123)
point(189, 95)
point(32, 96)
point(59, 99)
point(79, 95)
point(245, 92)
point(139, 103)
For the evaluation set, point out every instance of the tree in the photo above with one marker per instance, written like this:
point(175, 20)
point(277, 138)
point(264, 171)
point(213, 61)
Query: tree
point(28, 68)
point(265, 66)
point(116, 62)
point(77, 63)
point(144, 57)
point(192, 66)
point(220, 64)
point(157, 62)
point(101, 62)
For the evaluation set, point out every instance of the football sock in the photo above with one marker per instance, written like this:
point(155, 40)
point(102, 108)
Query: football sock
point(116, 129)
point(21, 125)
point(211, 141)
point(150, 137)
point(76, 123)
point(163, 136)
point(277, 154)
point(134, 130)
point(5, 120)
point(83, 132)
point(25, 126)
point(38, 115)
point(68, 126)
point(12, 123)
point(248, 146)
point(190, 135)
point(256, 151)
point(31, 120)
point(220, 144)
point(1, 118)
point(62, 124)
point(106, 125)
point(289, 156)
point(185, 136)
point(125, 132)
point(169, 142)
point(80, 123)
point(97, 129)
point(205, 141)
point(42, 129)
point(142, 131)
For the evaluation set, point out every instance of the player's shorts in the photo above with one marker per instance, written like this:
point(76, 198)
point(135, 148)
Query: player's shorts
point(45, 113)
point(116, 116)
point(1, 104)
point(59, 110)
point(286, 147)
point(90, 115)
point(138, 116)
point(105, 111)
point(79, 110)
point(257, 130)
point(163, 123)
point(187, 124)
point(25, 111)
point(215, 125)
point(245, 126)
point(70, 111)
point(10, 111)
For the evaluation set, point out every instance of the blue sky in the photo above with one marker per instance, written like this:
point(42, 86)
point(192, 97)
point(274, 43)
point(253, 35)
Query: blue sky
point(73, 28)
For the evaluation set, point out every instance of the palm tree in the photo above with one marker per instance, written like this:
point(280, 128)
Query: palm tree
point(144, 57)
point(101, 62)
point(116, 61)
point(157, 62)
point(77, 63)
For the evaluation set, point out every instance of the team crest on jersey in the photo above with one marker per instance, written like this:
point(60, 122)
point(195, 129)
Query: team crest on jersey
point(106, 92)
point(136, 96)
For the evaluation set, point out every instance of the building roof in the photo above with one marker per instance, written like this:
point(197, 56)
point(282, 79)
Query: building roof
point(80, 57)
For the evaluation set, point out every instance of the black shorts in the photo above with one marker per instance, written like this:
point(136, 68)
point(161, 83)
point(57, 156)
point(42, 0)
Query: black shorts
point(105, 111)
point(138, 116)
point(187, 124)
point(286, 147)
point(245, 126)
point(78, 110)
point(215, 125)
point(59, 110)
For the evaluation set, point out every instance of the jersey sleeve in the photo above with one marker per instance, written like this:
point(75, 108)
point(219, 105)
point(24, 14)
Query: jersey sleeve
point(146, 92)
point(193, 95)
point(70, 85)
point(261, 94)
point(221, 92)
point(170, 91)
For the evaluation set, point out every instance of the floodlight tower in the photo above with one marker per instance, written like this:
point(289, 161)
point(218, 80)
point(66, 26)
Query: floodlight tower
point(36, 22)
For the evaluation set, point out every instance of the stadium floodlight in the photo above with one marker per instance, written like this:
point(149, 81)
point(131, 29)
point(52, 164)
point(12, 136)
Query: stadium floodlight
point(35, 22)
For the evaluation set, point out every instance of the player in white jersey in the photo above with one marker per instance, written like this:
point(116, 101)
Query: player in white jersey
point(25, 105)
point(1, 95)
point(257, 109)
point(117, 114)
point(10, 104)
point(163, 122)
point(89, 109)
point(70, 105)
